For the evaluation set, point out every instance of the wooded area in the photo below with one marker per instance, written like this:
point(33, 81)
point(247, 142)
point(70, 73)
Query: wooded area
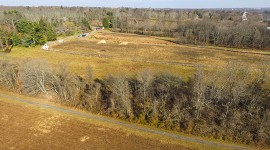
point(29, 26)
point(231, 103)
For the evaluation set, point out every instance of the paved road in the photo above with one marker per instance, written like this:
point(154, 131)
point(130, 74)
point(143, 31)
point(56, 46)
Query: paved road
point(119, 123)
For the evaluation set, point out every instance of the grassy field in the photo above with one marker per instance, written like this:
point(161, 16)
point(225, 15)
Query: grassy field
point(142, 52)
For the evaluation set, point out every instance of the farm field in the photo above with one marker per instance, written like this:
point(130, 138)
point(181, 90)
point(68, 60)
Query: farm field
point(136, 54)
point(41, 124)
point(36, 128)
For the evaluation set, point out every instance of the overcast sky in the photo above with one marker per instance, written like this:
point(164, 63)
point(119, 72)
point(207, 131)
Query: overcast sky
point(142, 3)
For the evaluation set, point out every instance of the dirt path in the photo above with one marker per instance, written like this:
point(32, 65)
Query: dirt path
point(123, 124)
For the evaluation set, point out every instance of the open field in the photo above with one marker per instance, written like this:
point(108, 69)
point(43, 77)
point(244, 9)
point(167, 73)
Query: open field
point(25, 128)
point(153, 50)
point(141, 52)
point(42, 124)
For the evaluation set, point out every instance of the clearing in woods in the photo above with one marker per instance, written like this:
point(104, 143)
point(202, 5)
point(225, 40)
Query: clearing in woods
point(130, 53)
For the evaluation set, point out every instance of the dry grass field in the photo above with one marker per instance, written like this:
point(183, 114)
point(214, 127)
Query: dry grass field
point(25, 127)
point(136, 54)
point(38, 123)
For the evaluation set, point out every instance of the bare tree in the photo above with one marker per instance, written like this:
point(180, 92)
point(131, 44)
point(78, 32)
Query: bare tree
point(120, 99)
point(8, 74)
point(36, 77)
point(66, 85)
point(199, 90)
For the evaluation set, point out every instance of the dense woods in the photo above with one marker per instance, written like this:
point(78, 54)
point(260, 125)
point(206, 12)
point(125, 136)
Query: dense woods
point(26, 26)
point(231, 103)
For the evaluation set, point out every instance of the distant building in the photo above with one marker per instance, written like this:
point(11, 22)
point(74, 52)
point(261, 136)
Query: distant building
point(83, 35)
point(100, 28)
point(244, 17)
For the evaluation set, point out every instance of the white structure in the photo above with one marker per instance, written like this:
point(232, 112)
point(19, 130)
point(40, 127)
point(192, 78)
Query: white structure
point(244, 17)
point(45, 47)
point(61, 41)
point(268, 28)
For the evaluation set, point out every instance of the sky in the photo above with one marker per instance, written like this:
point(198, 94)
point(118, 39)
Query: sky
point(143, 3)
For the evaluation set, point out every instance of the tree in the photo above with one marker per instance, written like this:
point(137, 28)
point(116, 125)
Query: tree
point(50, 33)
point(257, 39)
point(38, 37)
point(5, 38)
point(120, 98)
point(47, 30)
point(106, 23)
point(85, 24)
point(36, 77)
point(24, 26)
point(16, 40)
point(65, 85)
point(8, 74)
point(12, 17)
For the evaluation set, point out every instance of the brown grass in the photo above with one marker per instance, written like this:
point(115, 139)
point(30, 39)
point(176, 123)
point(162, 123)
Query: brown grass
point(151, 49)
point(141, 53)
point(23, 127)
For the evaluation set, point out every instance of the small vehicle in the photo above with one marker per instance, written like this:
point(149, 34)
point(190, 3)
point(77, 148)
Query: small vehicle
point(82, 35)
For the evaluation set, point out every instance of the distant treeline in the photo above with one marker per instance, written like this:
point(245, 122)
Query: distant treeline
point(239, 35)
point(194, 26)
point(231, 103)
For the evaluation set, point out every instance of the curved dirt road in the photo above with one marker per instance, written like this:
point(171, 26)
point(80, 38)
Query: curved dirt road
point(123, 124)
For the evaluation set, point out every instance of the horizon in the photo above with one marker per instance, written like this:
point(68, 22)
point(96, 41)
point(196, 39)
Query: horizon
point(136, 7)
point(159, 4)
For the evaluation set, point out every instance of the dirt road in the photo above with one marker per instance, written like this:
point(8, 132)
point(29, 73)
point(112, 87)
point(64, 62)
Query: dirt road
point(120, 123)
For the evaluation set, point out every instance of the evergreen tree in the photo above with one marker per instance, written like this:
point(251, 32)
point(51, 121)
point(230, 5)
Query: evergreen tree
point(16, 40)
point(24, 26)
point(38, 37)
point(50, 33)
point(106, 23)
